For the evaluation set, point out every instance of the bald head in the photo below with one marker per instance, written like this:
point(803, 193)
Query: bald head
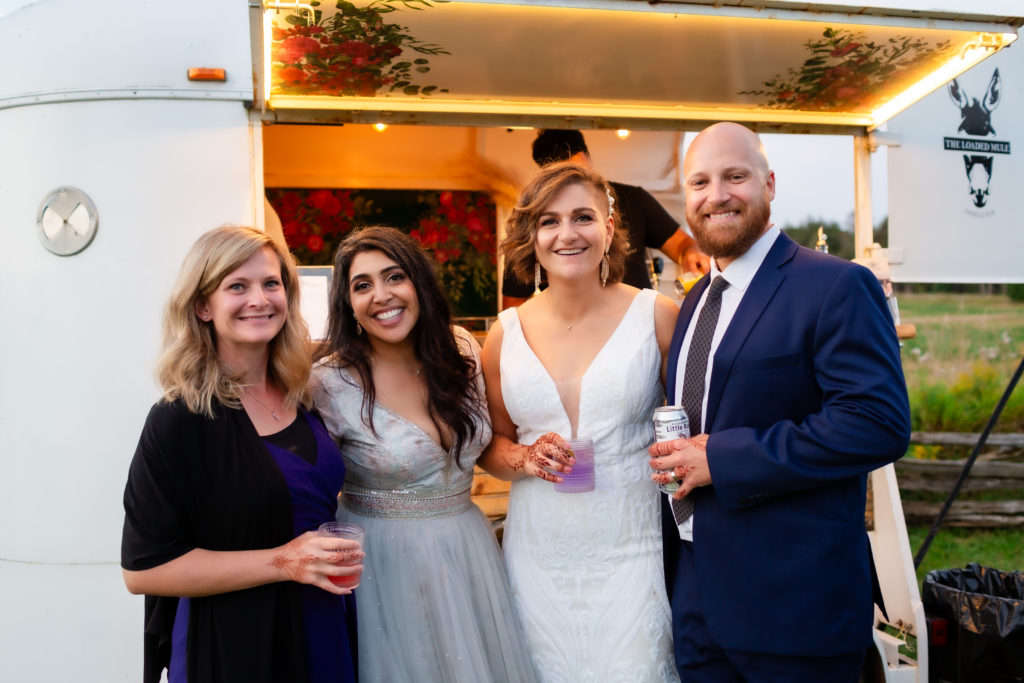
point(729, 136)
point(729, 189)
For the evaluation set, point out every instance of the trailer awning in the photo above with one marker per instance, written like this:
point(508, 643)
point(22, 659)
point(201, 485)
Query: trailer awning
point(615, 64)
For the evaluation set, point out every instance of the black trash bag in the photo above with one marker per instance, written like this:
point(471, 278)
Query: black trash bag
point(984, 613)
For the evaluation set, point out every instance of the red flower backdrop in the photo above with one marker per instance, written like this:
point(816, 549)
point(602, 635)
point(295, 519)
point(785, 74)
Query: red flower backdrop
point(459, 228)
point(351, 52)
point(456, 227)
point(314, 221)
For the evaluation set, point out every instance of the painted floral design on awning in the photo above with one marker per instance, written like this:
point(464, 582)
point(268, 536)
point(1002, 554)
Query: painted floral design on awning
point(847, 72)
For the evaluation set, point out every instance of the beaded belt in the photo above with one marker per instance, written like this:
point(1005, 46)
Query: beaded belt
point(403, 504)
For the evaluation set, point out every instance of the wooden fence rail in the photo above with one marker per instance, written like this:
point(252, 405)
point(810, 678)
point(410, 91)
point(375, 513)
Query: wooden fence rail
point(965, 439)
point(1007, 510)
point(968, 513)
point(940, 475)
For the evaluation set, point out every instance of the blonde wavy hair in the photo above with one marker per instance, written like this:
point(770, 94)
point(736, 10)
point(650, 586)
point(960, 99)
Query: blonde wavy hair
point(189, 367)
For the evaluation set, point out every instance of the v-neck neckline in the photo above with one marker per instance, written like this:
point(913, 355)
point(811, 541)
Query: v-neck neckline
point(593, 361)
point(268, 440)
point(377, 403)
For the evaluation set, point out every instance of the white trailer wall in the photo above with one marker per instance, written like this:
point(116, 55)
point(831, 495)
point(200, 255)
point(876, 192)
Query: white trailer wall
point(95, 96)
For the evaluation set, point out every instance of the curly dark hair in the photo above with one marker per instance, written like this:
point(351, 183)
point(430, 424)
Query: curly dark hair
point(453, 397)
point(521, 226)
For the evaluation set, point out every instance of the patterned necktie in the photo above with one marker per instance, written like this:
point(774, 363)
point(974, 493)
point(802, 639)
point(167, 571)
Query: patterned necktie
point(696, 369)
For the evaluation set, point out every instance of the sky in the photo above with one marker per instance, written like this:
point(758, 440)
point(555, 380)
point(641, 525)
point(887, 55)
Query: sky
point(814, 179)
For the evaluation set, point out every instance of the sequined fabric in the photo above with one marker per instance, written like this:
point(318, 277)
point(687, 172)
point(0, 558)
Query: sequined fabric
point(399, 504)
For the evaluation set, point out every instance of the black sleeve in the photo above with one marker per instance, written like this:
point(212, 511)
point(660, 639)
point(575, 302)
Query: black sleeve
point(155, 528)
point(658, 223)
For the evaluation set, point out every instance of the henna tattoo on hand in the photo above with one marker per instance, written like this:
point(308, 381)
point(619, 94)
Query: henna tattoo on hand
point(291, 562)
point(538, 462)
point(535, 458)
point(535, 455)
point(346, 556)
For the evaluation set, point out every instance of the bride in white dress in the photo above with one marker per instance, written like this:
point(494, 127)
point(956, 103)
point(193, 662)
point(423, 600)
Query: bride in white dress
point(581, 359)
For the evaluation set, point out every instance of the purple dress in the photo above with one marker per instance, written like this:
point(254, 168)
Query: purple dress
point(328, 619)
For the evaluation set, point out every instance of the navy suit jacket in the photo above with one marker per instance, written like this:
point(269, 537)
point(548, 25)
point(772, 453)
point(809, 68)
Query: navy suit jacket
point(806, 397)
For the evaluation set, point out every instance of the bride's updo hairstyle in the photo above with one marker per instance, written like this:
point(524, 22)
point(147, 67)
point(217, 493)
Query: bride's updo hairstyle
point(521, 227)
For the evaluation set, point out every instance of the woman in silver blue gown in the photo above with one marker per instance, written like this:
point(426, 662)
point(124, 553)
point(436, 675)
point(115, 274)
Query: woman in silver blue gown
point(400, 389)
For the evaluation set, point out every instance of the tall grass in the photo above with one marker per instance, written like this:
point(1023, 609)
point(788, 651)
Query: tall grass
point(966, 349)
point(958, 366)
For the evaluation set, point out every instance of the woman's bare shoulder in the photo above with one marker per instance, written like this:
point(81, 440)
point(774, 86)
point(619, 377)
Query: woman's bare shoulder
point(666, 311)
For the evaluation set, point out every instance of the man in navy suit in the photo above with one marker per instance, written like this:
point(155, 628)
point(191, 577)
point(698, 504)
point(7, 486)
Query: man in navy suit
point(800, 393)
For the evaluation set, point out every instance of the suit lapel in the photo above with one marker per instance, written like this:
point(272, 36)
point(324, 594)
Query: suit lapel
point(755, 300)
point(682, 322)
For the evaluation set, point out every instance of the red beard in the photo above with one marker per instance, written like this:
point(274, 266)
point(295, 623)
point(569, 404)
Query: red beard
point(733, 239)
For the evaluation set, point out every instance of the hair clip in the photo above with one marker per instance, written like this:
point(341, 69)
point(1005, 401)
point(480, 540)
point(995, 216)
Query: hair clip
point(611, 201)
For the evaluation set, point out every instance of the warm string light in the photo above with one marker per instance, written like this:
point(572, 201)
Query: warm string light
point(380, 127)
point(623, 133)
point(268, 33)
point(398, 106)
point(271, 9)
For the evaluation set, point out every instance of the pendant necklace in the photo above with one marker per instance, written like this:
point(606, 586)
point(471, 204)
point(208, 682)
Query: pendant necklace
point(273, 413)
point(567, 327)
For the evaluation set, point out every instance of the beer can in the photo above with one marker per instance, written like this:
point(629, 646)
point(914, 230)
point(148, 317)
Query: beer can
point(670, 423)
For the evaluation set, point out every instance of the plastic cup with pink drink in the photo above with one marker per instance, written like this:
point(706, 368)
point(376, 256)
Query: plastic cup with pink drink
point(352, 532)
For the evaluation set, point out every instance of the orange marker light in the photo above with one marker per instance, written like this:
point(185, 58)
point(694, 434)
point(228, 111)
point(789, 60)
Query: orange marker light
point(205, 74)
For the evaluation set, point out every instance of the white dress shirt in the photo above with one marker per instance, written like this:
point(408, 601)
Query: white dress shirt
point(738, 276)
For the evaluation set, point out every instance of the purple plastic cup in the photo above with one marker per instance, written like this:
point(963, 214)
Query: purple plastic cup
point(581, 478)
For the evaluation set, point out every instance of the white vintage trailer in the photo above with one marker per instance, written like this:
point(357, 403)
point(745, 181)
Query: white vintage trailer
point(112, 161)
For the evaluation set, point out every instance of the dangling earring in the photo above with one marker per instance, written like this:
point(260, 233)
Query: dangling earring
point(604, 268)
point(359, 329)
point(536, 278)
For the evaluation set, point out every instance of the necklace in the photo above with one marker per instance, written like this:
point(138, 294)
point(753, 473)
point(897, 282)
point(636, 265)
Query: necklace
point(273, 413)
point(567, 327)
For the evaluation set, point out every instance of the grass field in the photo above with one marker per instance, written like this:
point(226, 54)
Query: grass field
point(954, 548)
point(966, 350)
